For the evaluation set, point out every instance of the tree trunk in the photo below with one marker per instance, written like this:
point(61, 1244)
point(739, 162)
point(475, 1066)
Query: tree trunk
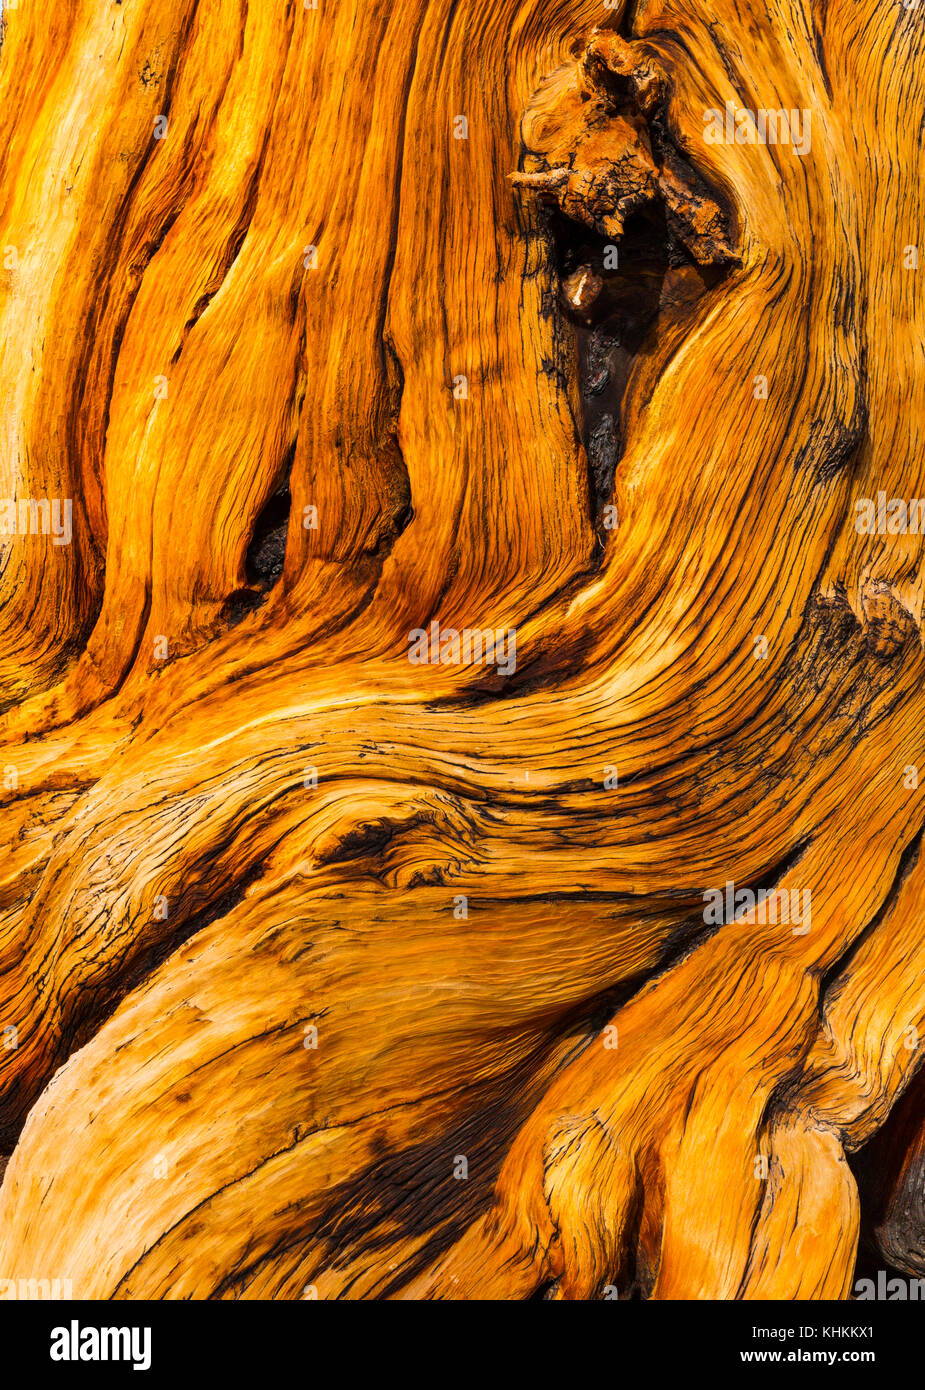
point(348, 955)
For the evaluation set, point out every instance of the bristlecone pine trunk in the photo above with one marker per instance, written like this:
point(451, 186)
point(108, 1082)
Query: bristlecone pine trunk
point(346, 955)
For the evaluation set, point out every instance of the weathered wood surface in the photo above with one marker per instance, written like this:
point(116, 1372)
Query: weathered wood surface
point(644, 1098)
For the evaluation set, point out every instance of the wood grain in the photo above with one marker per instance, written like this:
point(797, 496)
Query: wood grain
point(318, 366)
